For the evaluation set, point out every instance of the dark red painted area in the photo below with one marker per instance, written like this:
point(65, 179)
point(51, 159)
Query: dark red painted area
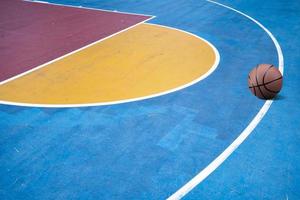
point(32, 33)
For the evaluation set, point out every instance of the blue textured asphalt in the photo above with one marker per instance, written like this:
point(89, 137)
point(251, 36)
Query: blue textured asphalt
point(148, 149)
point(267, 165)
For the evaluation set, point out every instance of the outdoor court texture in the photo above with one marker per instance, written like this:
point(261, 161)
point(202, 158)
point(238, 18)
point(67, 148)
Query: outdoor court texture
point(147, 100)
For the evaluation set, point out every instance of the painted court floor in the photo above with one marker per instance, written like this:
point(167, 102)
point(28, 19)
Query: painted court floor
point(147, 100)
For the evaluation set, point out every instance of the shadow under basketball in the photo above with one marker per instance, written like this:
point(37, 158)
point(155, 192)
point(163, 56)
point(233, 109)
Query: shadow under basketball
point(279, 97)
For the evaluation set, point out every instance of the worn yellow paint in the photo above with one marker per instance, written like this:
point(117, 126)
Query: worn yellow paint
point(144, 60)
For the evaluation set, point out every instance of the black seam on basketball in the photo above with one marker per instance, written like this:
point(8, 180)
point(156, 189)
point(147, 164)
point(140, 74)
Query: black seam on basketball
point(252, 83)
point(262, 93)
point(265, 87)
point(256, 74)
point(270, 90)
point(266, 82)
point(253, 88)
point(266, 74)
point(263, 81)
point(257, 83)
point(254, 91)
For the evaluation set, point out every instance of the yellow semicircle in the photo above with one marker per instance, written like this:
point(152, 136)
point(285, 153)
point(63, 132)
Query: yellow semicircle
point(142, 61)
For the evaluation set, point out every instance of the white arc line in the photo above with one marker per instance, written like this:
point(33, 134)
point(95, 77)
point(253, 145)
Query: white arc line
point(211, 70)
point(246, 132)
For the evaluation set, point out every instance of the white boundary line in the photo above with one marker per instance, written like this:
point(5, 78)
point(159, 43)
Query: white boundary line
point(68, 54)
point(82, 7)
point(246, 132)
point(217, 60)
point(72, 52)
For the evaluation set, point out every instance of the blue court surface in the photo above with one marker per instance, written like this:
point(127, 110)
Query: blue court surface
point(210, 140)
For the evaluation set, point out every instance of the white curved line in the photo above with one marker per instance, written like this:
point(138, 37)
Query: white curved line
point(246, 132)
point(217, 60)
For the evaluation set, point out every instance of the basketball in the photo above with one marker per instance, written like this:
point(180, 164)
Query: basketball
point(265, 81)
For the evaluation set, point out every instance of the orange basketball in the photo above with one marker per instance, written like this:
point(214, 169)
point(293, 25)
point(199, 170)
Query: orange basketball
point(265, 81)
